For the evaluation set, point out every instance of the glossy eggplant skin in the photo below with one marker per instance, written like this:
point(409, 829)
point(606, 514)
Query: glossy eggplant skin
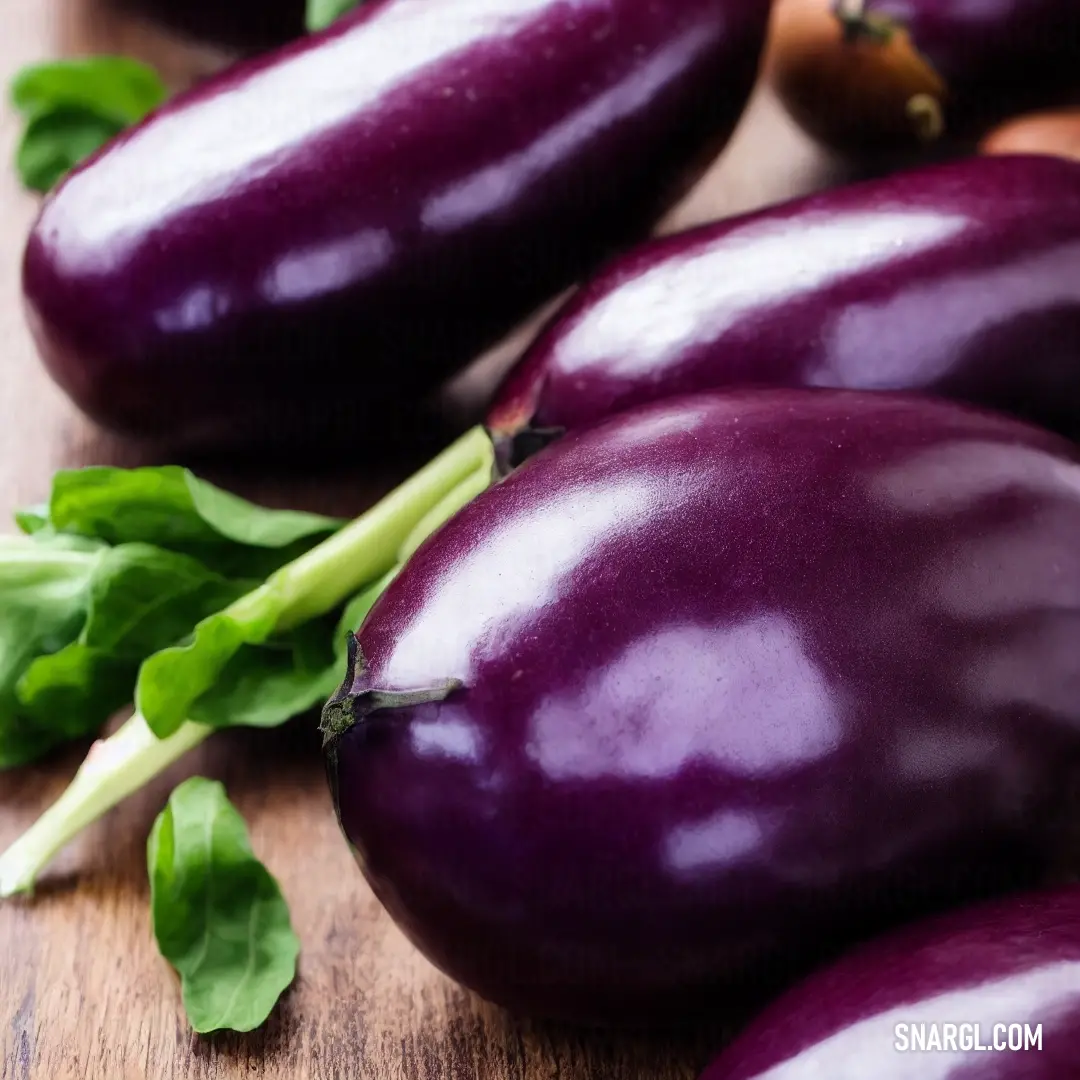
point(1011, 962)
point(336, 227)
point(958, 280)
point(739, 678)
point(997, 57)
point(246, 25)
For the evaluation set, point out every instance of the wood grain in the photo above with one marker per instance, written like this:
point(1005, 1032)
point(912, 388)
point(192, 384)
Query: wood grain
point(83, 991)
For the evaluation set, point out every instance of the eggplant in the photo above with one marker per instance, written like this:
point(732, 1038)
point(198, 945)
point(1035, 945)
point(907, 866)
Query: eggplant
point(308, 243)
point(247, 25)
point(872, 75)
point(987, 993)
point(959, 280)
point(701, 693)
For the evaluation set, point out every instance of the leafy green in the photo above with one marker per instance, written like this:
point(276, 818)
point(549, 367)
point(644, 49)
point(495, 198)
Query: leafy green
point(266, 656)
point(91, 592)
point(172, 508)
point(73, 107)
point(54, 142)
point(116, 87)
point(74, 626)
point(218, 914)
point(44, 592)
point(172, 680)
point(321, 13)
point(263, 686)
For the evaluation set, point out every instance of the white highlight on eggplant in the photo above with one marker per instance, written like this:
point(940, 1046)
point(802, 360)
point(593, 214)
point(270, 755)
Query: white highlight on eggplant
point(441, 738)
point(327, 267)
point(186, 168)
point(867, 1048)
point(861, 355)
point(719, 841)
point(755, 268)
point(1036, 668)
point(516, 568)
point(195, 309)
point(954, 476)
point(488, 192)
point(745, 698)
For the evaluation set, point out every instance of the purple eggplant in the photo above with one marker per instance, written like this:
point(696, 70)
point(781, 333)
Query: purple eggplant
point(311, 241)
point(988, 993)
point(866, 75)
point(959, 280)
point(247, 25)
point(699, 694)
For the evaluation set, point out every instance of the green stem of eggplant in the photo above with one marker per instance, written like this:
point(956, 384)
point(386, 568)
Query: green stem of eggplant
point(366, 552)
point(860, 25)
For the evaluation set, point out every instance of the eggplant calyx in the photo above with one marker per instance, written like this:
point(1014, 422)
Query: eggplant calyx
point(338, 716)
point(858, 24)
point(345, 710)
point(514, 449)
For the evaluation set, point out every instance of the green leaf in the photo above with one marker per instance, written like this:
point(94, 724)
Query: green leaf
point(130, 601)
point(218, 914)
point(116, 88)
point(171, 508)
point(144, 598)
point(54, 142)
point(74, 107)
point(44, 593)
point(32, 519)
point(267, 685)
point(171, 681)
point(321, 13)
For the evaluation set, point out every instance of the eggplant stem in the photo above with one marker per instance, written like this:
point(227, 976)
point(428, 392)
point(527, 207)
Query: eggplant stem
point(858, 24)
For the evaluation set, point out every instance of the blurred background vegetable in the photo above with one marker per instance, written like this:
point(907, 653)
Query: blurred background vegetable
point(865, 76)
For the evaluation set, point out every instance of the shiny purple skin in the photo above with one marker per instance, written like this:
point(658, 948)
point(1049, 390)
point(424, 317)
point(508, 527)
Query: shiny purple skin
point(1011, 962)
point(960, 280)
point(997, 57)
point(332, 229)
point(744, 676)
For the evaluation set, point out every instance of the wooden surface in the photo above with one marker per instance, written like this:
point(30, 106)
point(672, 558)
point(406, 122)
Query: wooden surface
point(83, 991)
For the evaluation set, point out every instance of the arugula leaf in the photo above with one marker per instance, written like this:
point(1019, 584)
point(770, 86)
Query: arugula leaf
point(55, 142)
point(218, 914)
point(73, 107)
point(321, 13)
point(44, 591)
point(172, 508)
point(64, 675)
point(107, 609)
point(116, 87)
point(264, 686)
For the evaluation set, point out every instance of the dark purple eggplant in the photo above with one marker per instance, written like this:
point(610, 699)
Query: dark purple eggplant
point(958, 280)
point(987, 993)
point(865, 75)
point(701, 693)
point(247, 25)
point(323, 234)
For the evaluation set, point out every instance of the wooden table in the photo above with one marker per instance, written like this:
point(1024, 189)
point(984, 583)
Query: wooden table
point(83, 990)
